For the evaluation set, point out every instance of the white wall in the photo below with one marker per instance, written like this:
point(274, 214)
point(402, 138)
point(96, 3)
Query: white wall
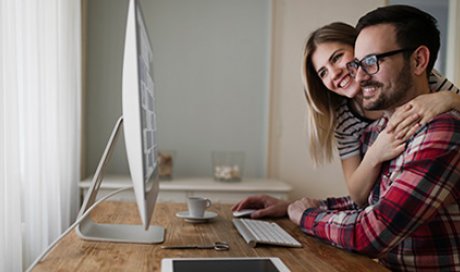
point(211, 72)
point(211, 68)
point(293, 20)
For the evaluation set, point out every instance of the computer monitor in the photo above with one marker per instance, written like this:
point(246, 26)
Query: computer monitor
point(139, 126)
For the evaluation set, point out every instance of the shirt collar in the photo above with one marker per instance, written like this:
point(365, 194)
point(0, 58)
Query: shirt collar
point(381, 123)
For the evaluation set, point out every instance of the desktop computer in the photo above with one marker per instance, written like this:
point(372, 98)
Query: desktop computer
point(139, 127)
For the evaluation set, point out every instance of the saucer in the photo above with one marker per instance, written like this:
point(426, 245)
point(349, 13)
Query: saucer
point(188, 218)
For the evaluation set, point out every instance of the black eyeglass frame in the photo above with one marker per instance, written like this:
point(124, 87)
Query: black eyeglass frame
point(354, 65)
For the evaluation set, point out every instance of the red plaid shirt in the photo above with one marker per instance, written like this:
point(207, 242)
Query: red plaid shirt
point(413, 218)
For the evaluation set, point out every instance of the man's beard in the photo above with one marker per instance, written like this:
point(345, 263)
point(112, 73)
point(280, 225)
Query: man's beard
point(389, 99)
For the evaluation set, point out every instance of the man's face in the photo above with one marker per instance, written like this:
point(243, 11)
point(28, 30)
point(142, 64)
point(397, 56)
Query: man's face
point(386, 89)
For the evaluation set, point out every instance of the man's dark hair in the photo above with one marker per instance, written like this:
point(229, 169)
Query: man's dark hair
point(413, 28)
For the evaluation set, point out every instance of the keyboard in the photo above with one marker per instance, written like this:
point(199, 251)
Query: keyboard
point(262, 232)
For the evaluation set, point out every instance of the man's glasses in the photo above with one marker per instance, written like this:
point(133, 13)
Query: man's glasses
point(370, 63)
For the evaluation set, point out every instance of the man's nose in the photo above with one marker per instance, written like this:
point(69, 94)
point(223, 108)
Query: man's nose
point(361, 75)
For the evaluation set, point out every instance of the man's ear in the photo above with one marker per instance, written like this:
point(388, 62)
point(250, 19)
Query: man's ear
point(421, 57)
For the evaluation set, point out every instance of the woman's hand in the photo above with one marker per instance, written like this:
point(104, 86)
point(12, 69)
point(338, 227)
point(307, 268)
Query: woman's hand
point(361, 175)
point(407, 119)
point(386, 147)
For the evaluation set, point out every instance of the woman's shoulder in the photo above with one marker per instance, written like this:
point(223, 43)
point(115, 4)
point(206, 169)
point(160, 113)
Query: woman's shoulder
point(439, 82)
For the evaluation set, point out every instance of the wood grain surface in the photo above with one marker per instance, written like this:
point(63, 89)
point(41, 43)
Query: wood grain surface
point(75, 254)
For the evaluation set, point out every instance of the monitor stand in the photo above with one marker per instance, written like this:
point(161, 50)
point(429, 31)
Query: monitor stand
point(123, 233)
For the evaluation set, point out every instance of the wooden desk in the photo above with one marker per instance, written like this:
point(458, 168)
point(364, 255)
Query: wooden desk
point(74, 254)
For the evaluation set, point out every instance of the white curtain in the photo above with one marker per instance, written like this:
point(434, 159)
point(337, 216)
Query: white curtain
point(40, 96)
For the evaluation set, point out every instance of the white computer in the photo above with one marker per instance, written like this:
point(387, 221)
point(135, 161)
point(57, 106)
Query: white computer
point(139, 126)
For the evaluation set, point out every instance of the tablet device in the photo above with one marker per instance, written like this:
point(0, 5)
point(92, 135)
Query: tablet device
point(258, 264)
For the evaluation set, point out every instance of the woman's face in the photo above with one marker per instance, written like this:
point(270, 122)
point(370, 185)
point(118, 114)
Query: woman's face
point(330, 62)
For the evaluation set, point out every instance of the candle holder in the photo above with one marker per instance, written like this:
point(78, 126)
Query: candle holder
point(228, 165)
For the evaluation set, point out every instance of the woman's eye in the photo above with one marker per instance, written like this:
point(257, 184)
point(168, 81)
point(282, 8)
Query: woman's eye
point(322, 73)
point(337, 57)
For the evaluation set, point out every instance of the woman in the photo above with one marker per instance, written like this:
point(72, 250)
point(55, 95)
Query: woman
point(336, 114)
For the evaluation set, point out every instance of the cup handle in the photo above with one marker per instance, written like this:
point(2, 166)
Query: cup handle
point(208, 203)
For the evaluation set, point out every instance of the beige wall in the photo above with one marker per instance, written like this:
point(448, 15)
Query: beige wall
point(288, 158)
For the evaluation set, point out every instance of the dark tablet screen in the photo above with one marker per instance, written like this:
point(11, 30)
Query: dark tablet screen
point(222, 265)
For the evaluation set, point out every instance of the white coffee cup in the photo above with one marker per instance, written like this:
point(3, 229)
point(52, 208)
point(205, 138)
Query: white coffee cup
point(197, 206)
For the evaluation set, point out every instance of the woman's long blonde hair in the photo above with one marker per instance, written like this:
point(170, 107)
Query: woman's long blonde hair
point(322, 103)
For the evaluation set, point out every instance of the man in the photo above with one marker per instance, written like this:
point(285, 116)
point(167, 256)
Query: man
point(413, 218)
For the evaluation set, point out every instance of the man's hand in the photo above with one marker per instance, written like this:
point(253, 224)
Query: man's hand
point(265, 205)
point(296, 209)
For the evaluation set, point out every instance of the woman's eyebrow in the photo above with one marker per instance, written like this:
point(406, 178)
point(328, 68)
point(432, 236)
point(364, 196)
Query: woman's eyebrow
point(335, 53)
point(330, 59)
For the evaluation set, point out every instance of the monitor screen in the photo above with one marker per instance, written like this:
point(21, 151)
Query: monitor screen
point(139, 127)
point(139, 112)
point(147, 99)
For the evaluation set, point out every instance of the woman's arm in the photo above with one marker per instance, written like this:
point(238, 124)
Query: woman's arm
point(426, 106)
point(360, 175)
point(405, 121)
point(402, 125)
point(358, 188)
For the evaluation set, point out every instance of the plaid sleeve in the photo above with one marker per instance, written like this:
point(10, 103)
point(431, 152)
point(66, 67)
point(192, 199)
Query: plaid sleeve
point(338, 203)
point(424, 181)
